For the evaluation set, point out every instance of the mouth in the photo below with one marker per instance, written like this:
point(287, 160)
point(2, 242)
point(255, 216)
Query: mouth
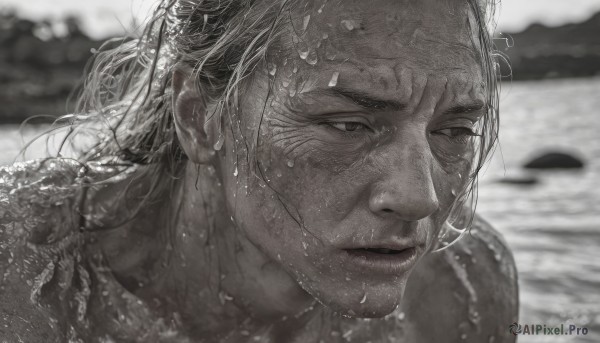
point(381, 251)
point(392, 261)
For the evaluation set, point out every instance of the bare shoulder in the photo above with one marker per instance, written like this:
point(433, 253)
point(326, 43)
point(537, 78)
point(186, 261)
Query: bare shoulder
point(467, 293)
point(33, 207)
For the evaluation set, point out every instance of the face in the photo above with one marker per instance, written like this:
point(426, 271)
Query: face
point(346, 173)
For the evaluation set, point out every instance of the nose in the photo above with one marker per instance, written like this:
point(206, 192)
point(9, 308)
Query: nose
point(406, 189)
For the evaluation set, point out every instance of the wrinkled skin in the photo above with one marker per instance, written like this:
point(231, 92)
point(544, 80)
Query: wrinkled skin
point(359, 134)
point(364, 141)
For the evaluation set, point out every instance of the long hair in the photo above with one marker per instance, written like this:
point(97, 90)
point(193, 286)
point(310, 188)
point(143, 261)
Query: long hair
point(125, 108)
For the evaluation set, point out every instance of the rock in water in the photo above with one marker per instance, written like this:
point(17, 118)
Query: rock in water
point(524, 181)
point(554, 160)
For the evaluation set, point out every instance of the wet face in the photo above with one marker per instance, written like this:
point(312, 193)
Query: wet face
point(356, 157)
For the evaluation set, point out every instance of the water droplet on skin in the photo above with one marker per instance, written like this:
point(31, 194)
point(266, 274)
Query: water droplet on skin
point(401, 316)
point(312, 58)
point(235, 172)
point(272, 69)
point(290, 163)
point(349, 24)
point(305, 23)
point(303, 50)
point(320, 10)
point(463, 336)
point(334, 79)
point(330, 52)
point(304, 245)
point(364, 298)
point(219, 144)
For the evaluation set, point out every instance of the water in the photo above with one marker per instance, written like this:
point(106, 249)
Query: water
point(552, 227)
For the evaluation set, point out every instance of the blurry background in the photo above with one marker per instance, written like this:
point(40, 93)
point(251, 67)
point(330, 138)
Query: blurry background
point(550, 217)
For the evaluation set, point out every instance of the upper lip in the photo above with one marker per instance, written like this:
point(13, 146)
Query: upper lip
point(396, 236)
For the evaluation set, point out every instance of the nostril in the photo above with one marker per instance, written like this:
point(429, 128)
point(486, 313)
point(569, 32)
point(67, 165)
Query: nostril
point(387, 210)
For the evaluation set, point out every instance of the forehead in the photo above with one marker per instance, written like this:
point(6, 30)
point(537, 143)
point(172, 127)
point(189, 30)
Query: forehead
point(426, 36)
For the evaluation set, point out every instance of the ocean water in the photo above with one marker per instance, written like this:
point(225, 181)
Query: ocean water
point(552, 227)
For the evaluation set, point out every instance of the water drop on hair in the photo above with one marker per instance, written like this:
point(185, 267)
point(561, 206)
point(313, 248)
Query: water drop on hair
point(312, 58)
point(235, 172)
point(364, 298)
point(303, 50)
point(290, 163)
point(219, 144)
point(453, 192)
point(272, 69)
point(325, 35)
point(334, 79)
point(305, 23)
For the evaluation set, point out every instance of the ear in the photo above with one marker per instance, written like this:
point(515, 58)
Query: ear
point(189, 114)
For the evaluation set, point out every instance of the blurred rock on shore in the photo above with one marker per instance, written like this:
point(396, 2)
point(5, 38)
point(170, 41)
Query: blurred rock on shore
point(38, 68)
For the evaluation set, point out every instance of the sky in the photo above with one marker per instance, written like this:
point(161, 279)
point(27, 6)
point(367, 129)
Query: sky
point(106, 17)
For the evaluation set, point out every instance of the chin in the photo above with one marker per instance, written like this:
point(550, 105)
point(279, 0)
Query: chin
point(372, 301)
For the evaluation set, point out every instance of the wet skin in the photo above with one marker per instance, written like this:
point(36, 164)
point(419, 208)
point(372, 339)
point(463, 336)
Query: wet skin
point(366, 148)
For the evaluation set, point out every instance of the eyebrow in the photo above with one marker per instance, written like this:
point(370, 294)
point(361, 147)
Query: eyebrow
point(475, 106)
point(370, 102)
point(364, 100)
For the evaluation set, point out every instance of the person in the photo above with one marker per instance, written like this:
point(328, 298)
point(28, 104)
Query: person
point(269, 171)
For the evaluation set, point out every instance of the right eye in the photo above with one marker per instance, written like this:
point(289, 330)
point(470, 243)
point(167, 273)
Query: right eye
point(348, 126)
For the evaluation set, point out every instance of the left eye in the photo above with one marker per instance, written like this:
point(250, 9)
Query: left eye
point(348, 126)
point(457, 132)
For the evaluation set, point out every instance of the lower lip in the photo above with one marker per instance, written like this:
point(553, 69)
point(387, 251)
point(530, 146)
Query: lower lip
point(392, 264)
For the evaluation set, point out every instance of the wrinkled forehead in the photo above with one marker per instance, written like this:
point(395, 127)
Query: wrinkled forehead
point(429, 35)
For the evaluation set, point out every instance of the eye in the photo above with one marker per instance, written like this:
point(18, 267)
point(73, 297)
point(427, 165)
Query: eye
point(348, 126)
point(456, 132)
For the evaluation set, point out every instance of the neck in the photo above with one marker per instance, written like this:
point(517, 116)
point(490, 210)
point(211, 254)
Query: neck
point(220, 283)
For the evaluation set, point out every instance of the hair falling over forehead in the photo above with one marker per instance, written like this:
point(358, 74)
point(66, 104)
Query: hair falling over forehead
point(125, 103)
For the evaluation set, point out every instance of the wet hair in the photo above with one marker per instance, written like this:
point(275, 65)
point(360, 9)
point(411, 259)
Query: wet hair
point(125, 105)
